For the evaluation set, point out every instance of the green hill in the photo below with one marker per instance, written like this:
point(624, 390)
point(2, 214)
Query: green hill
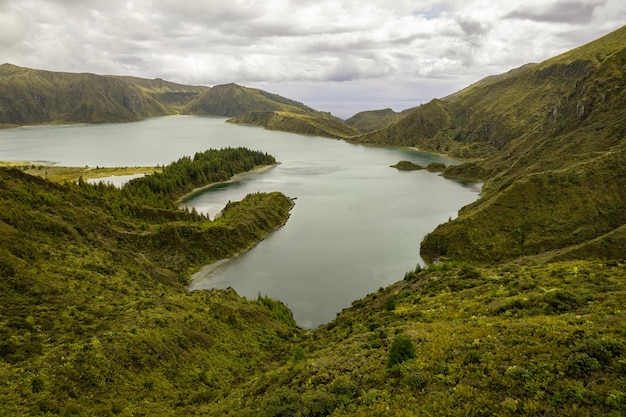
point(369, 121)
point(30, 96)
point(310, 123)
point(250, 106)
point(231, 100)
point(523, 315)
point(94, 315)
point(548, 140)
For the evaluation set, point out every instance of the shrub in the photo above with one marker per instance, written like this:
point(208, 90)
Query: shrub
point(402, 349)
point(561, 301)
point(579, 364)
point(344, 387)
point(416, 380)
point(298, 354)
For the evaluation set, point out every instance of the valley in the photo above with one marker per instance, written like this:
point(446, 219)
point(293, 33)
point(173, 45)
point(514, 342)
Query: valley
point(520, 311)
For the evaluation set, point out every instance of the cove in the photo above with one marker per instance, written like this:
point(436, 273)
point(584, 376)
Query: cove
point(356, 224)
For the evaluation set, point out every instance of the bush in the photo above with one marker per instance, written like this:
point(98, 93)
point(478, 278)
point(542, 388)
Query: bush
point(416, 380)
point(402, 349)
point(298, 354)
point(561, 301)
point(579, 364)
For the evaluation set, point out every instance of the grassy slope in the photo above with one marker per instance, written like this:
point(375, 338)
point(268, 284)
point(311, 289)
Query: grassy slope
point(369, 121)
point(255, 107)
point(33, 97)
point(94, 316)
point(558, 182)
point(319, 124)
point(510, 340)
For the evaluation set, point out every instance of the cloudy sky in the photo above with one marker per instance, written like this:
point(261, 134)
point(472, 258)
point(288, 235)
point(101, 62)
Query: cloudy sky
point(341, 56)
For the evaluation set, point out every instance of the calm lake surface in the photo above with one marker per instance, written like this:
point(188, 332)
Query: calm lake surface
point(356, 225)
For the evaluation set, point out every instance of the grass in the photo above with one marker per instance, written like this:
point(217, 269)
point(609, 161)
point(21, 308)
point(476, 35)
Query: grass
point(61, 174)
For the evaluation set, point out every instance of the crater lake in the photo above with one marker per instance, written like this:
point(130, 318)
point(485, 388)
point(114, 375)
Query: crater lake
point(356, 224)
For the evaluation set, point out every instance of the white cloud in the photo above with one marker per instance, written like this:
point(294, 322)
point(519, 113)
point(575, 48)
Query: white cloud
point(341, 49)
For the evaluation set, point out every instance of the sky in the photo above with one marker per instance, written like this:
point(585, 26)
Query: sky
point(342, 56)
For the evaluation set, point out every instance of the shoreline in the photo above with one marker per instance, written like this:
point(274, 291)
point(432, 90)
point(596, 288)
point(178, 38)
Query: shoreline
point(206, 270)
point(234, 178)
point(59, 174)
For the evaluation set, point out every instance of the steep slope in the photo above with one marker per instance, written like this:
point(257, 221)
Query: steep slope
point(94, 315)
point(254, 107)
point(166, 92)
point(558, 181)
point(30, 96)
point(314, 123)
point(369, 121)
point(547, 138)
point(461, 340)
point(230, 100)
point(482, 119)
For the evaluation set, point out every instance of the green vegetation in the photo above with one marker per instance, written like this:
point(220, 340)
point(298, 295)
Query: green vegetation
point(522, 315)
point(42, 97)
point(463, 339)
point(163, 189)
point(94, 315)
point(61, 174)
point(232, 100)
point(369, 121)
point(310, 123)
point(407, 166)
point(547, 140)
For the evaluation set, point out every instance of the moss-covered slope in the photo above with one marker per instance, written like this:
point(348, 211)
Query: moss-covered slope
point(313, 123)
point(29, 96)
point(476, 341)
point(230, 100)
point(369, 121)
point(94, 316)
point(558, 182)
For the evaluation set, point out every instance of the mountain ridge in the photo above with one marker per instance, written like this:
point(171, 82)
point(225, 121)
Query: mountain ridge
point(30, 96)
point(523, 314)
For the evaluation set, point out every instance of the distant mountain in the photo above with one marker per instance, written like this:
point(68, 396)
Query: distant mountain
point(29, 96)
point(311, 123)
point(250, 106)
point(369, 121)
point(231, 100)
point(549, 141)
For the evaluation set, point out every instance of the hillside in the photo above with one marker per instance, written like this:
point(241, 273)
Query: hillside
point(461, 340)
point(254, 107)
point(95, 319)
point(522, 315)
point(29, 96)
point(231, 100)
point(548, 140)
point(369, 121)
point(317, 123)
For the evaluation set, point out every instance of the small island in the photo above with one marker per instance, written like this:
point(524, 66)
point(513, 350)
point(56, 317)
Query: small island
point(407, 166)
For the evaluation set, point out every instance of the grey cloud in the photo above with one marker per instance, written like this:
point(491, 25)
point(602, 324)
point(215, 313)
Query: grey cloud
point(560, 12)
point(14, 27)
point(473, 27)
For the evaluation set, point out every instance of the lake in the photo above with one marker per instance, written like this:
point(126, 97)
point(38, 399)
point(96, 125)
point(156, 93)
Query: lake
point(356, 225)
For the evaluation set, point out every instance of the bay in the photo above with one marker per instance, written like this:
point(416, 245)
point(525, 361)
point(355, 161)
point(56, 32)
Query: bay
point(355, 227)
